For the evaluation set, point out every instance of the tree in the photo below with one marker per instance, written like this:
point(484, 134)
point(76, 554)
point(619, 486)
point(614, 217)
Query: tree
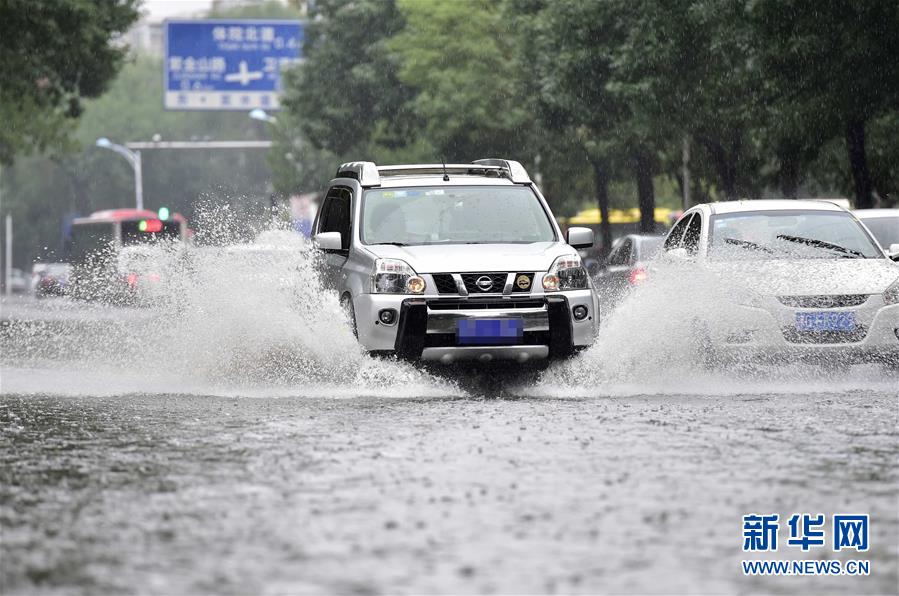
point(459, 58)
point(689, 64)
point(347, 97)
point(54, 53)
point(838, 59)
point(565, 43)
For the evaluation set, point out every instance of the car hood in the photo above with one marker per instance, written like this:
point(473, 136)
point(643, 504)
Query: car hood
point(459, 258)
point(811, 276)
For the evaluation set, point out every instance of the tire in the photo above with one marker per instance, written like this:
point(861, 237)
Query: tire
point(346, 302)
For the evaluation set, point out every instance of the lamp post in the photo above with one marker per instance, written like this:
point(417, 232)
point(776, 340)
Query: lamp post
point(133, 158)
point(260, 114)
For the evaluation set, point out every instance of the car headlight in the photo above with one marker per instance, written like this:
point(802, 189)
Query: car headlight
point(393, 276)
point(566, 273)
point(891, 295)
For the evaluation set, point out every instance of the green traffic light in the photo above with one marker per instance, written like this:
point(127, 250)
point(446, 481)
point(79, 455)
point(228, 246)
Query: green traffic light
point(163, 213)
point(142, 226)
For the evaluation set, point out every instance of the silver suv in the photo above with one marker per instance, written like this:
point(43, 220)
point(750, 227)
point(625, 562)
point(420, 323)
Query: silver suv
point(454, 262)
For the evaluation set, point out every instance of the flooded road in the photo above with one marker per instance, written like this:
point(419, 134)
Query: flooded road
point(234, 438)
point(174, 494)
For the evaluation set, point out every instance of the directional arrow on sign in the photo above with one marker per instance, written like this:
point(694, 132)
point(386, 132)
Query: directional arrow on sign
point(243, 75)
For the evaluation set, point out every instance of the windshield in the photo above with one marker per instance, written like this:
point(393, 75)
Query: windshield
point(454, 215)
point(885, 229)
point(789, 235)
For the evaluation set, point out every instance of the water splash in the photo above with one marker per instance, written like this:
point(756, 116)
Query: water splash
point(656, 342)
point(214, 318)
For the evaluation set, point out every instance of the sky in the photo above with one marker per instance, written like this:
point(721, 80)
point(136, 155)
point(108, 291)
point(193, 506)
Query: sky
point(157, 10)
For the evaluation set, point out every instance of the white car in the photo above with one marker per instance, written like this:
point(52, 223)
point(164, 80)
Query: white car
point(802, 280)
point(452, 262)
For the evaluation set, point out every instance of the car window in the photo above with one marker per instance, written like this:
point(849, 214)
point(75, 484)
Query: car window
point(885, 229)
point(677, 232)
point(336, 215)
point(455, 215)
point(789, 234)
point(622, 255)
point(692, 234)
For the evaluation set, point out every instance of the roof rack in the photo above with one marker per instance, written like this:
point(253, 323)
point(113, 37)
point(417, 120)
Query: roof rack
point(369, 174)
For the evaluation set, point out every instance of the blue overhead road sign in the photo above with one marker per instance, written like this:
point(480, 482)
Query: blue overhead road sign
point(228, 65)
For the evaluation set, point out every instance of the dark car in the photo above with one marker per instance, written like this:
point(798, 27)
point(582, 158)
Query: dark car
point(49, 279)
point(625, 267)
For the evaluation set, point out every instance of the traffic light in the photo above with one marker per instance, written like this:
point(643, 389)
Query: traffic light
point(163, 213)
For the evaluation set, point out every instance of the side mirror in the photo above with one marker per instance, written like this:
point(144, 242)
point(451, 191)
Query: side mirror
point(328, 241)
point(893, 252)
point(580, 237)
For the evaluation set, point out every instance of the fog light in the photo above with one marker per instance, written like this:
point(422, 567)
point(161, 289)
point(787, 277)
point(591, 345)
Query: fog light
point(387, 316)
point(415, 285)
point(579, 312)
point(550, 282)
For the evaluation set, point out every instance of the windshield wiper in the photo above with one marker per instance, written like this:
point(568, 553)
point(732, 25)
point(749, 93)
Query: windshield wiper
point(390, 243)
point(748, 244)
point(822, 244)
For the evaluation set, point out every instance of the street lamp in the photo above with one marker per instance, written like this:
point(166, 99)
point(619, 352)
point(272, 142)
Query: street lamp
point(133, 158)
point(260, 114)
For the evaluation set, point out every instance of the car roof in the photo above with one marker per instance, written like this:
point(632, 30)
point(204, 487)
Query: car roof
point(875, 213)
point(645, 237)
point(772, 205)
point(455, 180)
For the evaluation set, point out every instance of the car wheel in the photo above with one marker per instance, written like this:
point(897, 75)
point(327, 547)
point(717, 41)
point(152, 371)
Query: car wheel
point(347, 303)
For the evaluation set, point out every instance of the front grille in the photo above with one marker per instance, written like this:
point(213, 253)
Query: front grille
point(445, 283)
point(475, 305)
point(497, 282)
point(835, 301)
point(522, 283)
point(794, 336)
point(518, 284)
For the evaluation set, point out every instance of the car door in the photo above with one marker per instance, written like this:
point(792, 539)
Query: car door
point(336, 216)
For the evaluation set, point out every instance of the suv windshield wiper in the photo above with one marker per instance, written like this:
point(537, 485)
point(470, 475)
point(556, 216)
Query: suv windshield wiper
point(748, 244)
point(822, 244)
point(390, 243)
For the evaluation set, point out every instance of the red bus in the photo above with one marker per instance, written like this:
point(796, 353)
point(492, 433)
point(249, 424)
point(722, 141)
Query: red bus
point(98, 239)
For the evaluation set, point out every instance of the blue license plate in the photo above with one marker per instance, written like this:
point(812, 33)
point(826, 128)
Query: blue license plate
point(825, 321)
point(473, 332)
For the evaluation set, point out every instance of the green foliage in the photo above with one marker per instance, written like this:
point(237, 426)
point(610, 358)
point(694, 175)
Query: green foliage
point(347, 98)
point(833, 68)
point(458, 58)
point(272, 9)
point(54, 53)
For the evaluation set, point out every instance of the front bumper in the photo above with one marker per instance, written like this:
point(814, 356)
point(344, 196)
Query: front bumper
point(767, 333)
point(425, 327)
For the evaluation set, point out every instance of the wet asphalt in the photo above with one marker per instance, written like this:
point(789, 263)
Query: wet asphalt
point(169, 493)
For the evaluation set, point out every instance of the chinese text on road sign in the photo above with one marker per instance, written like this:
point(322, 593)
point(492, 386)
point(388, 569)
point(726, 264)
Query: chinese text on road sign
point(228, 65)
